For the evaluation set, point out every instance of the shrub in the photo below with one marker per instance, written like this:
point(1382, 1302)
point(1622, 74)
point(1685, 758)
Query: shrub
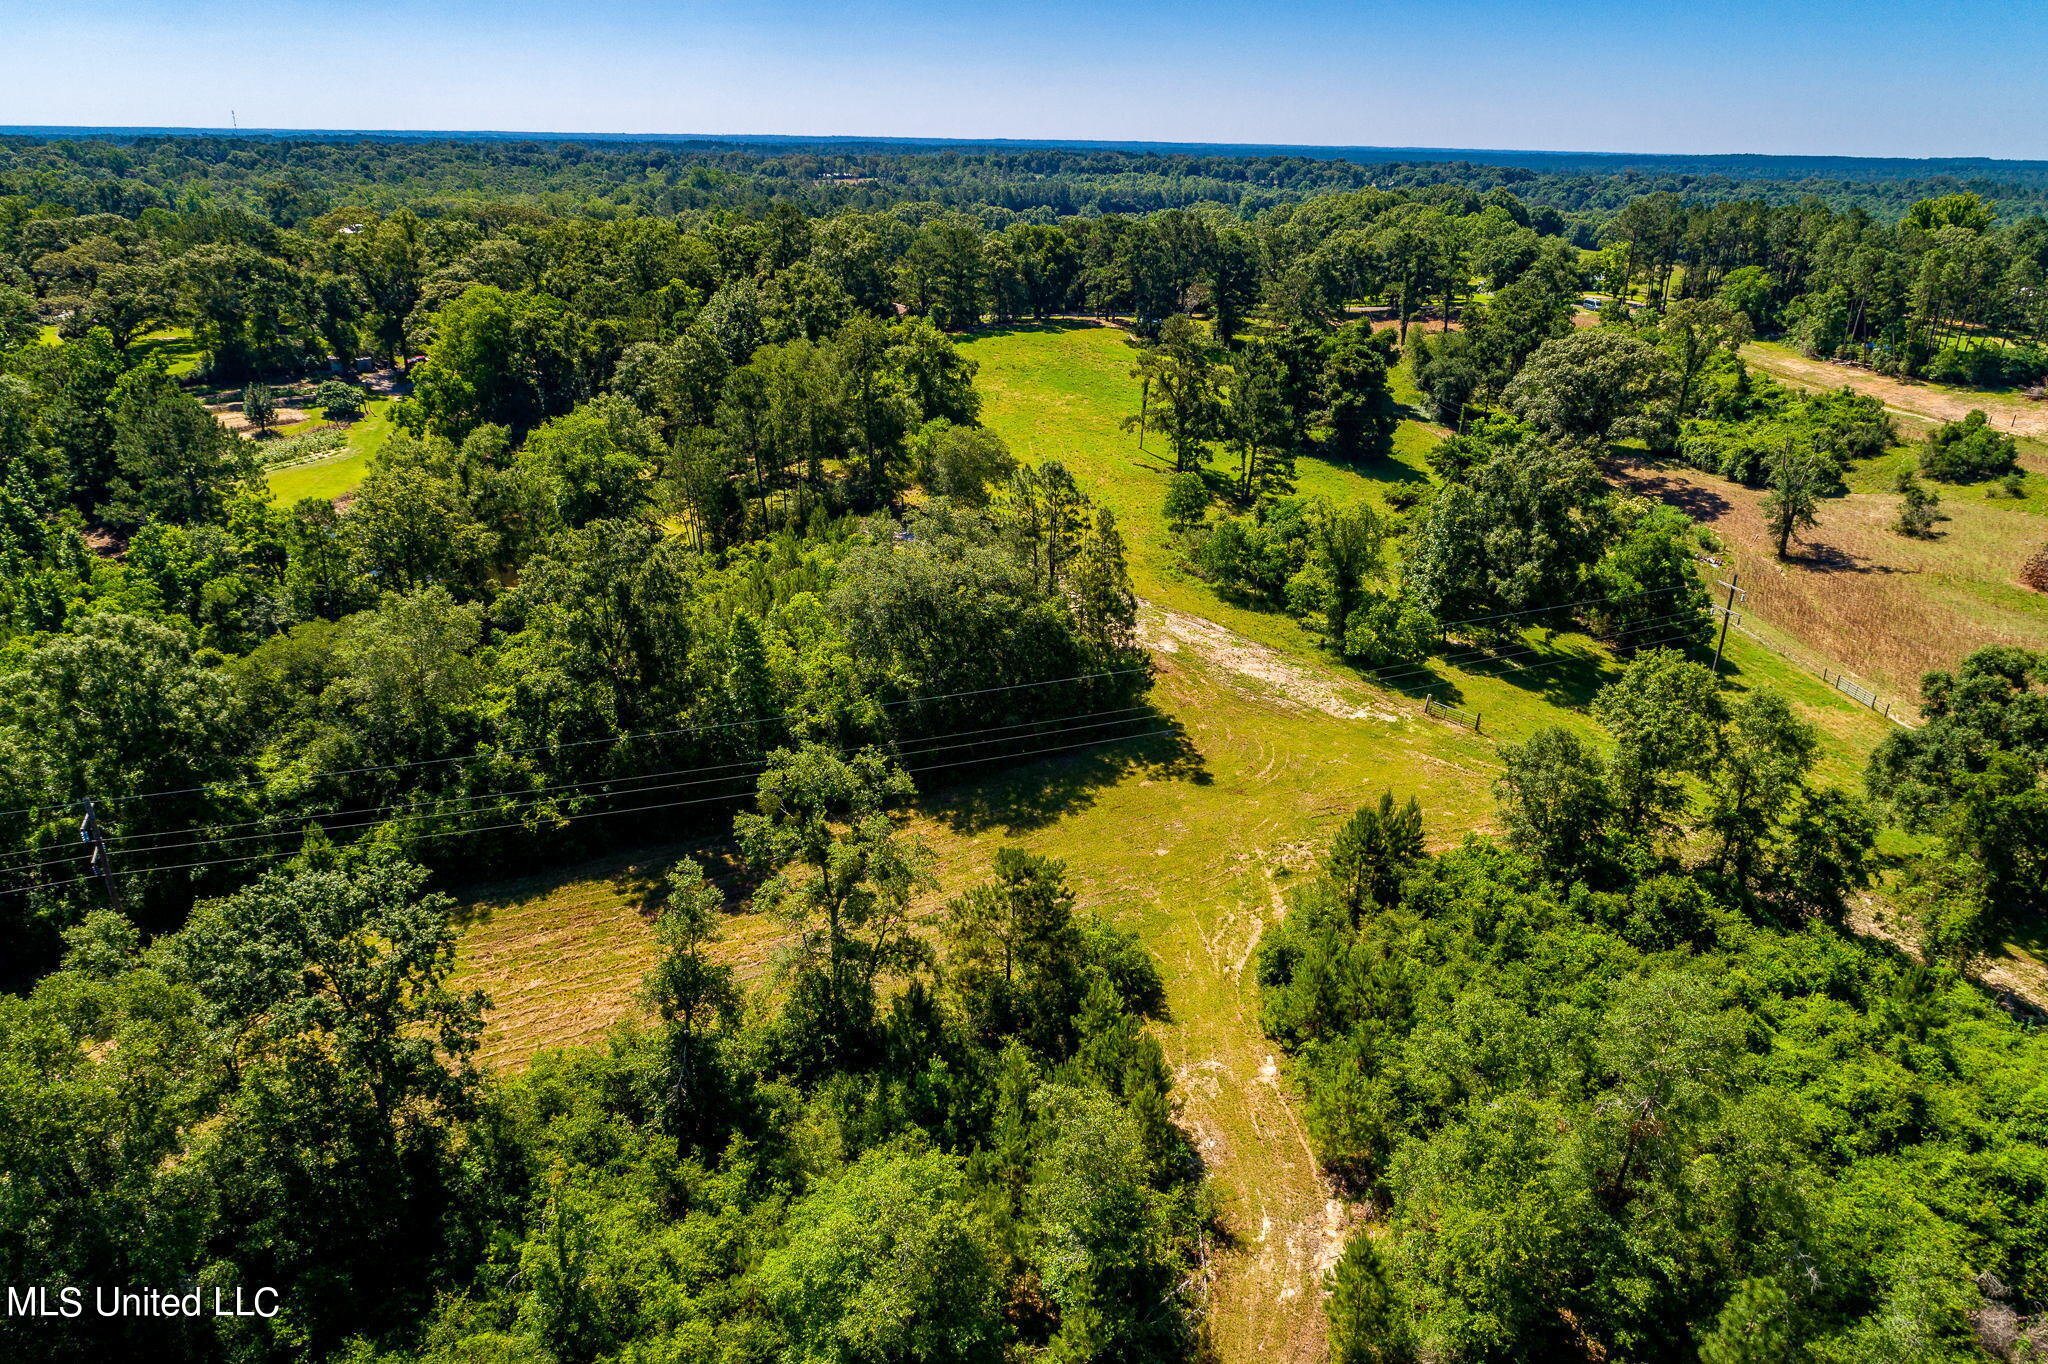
point(342, 402)
point(1187, 501)
point(1967, 450)
point(303, 448)
point(1387, 628)
point(1257, 556)
point(1981, 366)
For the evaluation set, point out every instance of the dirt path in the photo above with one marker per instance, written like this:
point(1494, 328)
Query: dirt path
point(1166, 631)
point(1927, 403)
point(230, 416)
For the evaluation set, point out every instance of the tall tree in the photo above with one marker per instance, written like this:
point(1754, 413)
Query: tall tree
point(1180, 378)
point(1794, 501)
point(1258, 424)
point(842, 877)
point(1694, 331)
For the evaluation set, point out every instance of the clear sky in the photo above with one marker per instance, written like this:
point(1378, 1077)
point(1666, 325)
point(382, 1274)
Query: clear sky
point(1848, 77)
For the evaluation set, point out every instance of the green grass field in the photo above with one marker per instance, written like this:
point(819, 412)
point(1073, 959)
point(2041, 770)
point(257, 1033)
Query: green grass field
point(173, 346)
point(1190, 839)
point(337, 475)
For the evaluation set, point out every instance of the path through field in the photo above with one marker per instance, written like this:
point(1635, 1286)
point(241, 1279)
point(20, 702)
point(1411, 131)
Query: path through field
point(1921, 404)
point(1191, 843)
point(1194, 849)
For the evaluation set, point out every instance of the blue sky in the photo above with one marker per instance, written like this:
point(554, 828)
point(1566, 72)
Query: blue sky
point(1878, 78)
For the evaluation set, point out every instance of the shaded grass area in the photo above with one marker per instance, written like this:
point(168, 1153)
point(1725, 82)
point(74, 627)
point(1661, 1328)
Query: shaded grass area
point(173, 347)
point(337, 475)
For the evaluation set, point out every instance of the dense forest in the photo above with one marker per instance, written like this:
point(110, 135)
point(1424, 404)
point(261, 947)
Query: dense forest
point(689, 530)
point(1625, 1088)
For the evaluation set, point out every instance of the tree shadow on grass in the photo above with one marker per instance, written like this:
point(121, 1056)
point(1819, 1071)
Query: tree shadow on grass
point(1832, 559)
point(634, 873)
point(1565, 671)
point(1049, 325)
point(1015, 795)
point(1415, 680)
point(1379, 465)
point(1699, 502)
point(1570, 680)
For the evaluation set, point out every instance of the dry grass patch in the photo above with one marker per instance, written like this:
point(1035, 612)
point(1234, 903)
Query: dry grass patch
point(1877, 603)
point(562, 953)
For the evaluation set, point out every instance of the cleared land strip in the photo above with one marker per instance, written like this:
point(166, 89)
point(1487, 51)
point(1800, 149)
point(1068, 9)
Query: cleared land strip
point(1165, 631)
point(1929, 403)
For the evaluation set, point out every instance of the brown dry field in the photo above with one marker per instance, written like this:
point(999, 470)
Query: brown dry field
point(1883, 607)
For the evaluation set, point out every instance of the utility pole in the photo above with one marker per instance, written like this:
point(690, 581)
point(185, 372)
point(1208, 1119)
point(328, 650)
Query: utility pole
point(90, 833)
point(1727, 615)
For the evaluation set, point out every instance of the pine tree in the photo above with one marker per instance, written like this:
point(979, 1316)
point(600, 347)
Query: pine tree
point(1368, 1323)
point(1374, 850)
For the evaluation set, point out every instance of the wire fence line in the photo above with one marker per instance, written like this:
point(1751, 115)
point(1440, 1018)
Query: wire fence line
point(1827, 673)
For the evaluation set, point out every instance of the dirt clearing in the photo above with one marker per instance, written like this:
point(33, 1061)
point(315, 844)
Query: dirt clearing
point(1921, 404)
point(1168, 632)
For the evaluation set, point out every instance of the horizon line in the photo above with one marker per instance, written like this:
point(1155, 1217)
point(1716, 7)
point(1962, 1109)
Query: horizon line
point(1304, 149)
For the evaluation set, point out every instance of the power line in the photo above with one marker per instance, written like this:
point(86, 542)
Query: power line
point(920, 748)
point(599, 814)
point(762, 720)
point(1560, 606)
point(584, 743)
point(1476, 658)
point(439, 804)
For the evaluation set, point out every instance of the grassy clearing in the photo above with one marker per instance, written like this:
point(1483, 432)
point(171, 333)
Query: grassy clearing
point(1190, 841)
point(1060, 391)
point(172, 346)
point(336, 476)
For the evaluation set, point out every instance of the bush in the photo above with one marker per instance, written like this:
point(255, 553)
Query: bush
point(1841, 426)
point(1390, 628)
point(342, 402)
point(1259, 555)
point(1971, 449)
point(1187, 501)
point(1740, 451)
